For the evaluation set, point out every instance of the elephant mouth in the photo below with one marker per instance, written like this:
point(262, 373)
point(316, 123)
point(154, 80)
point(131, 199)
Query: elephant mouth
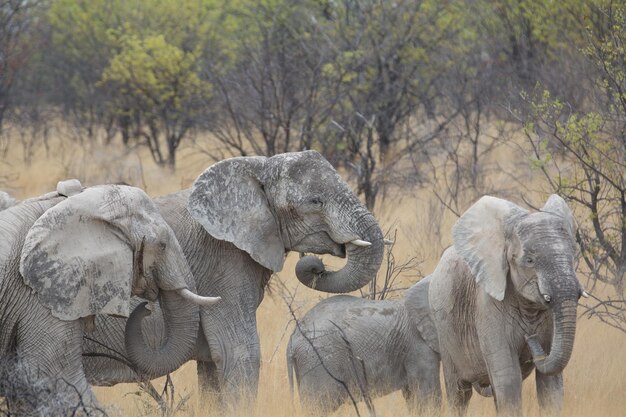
point(320, 243)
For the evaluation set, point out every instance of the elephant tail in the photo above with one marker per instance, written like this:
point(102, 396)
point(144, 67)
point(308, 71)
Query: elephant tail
point(290, 367)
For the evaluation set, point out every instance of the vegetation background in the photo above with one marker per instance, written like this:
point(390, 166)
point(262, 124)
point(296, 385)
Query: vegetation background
point(423, 106)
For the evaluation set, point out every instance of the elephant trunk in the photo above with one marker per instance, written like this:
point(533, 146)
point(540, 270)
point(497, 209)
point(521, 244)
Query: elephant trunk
point(361, 267)
point(181, 319)
point(563, 331)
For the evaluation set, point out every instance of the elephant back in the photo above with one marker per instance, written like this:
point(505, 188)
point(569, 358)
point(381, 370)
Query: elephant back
point(6, 201)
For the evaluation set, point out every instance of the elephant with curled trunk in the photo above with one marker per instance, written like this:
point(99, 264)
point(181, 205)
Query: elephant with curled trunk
point(503, 295)
point(235, 225)
point(353, 346)
point(69, 255)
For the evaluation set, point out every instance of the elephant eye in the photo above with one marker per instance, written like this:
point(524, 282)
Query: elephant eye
point(316, 201)
point(529, 261)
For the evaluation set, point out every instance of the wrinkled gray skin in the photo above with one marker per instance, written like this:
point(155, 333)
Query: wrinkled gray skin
point(6, 200)
point(388, 351)
point(52, 281)
point(235, 225)
point(510, 277)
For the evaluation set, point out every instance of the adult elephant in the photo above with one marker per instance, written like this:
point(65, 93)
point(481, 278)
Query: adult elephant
point(352, 347)
point(504, 294)
point(72, 254)
point(235, 225)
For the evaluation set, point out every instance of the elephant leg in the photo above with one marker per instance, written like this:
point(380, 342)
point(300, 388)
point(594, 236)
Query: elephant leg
point(505, 376)
point(550, 392)
point(423, 390)
point(208, 382)
point(53, 350)
point(235, 351)
point(458, 392)
point(320, 394)
point(502, 362)
point(241, 376)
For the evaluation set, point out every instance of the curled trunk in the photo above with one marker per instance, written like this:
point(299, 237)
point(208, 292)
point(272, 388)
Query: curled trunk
point(181, 319)
point(563, 331)
point(361, 267)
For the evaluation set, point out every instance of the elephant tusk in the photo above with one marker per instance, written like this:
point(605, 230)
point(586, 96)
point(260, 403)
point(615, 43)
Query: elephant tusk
point(585, 294)
point(197, 299)
point(388, 242)
point(359, 242)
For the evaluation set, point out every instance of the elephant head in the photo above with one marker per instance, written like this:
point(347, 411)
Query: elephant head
point(498, 240)
point(293, 201)
point(89, 253)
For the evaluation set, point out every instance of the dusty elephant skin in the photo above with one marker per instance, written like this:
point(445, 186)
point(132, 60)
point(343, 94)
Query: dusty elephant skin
point(235, 225)
point(374, 347)
point(63, 260)
point(501, 297)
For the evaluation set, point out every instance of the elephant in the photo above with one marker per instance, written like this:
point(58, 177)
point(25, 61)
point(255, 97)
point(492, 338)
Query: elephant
point(235, 225)
point(501, 296)
point(354, 346)
point(74, 253)
point(6, 200)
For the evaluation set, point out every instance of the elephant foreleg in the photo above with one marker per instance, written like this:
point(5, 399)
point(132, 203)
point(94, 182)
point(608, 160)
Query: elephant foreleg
point(502, 362)
point(423, 390)
point(505, 376)
point(458, 392)
point(52, 349)
point(208, 383)
point(235, 351)
point(550, 391)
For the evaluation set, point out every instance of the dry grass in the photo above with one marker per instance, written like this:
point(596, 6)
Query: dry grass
point(595, 379)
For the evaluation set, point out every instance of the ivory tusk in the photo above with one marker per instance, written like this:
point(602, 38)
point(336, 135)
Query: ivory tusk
point(585, 294)
point(359, 242)
point(388, 242)
point(197, 299)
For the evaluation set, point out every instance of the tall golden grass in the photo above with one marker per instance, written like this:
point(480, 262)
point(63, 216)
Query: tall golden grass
point(595, 379)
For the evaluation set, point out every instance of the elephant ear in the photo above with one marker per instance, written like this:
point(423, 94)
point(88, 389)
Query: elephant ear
point(417, 306)
point(557, 206)
point(76, 261)
point(229, 201)
point(479, 237)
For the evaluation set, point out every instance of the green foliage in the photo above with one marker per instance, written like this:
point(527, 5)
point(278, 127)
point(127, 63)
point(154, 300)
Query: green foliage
point(155, 75)
point(532, 26)
point(142, 58)
point(583, 151)
point(388, 55)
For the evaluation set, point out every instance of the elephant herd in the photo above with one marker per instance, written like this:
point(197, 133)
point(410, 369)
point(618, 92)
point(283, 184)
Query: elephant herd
point(87, 272)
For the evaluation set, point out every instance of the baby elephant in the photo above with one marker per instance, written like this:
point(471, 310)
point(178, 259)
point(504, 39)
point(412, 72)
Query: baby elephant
point(367, 347)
